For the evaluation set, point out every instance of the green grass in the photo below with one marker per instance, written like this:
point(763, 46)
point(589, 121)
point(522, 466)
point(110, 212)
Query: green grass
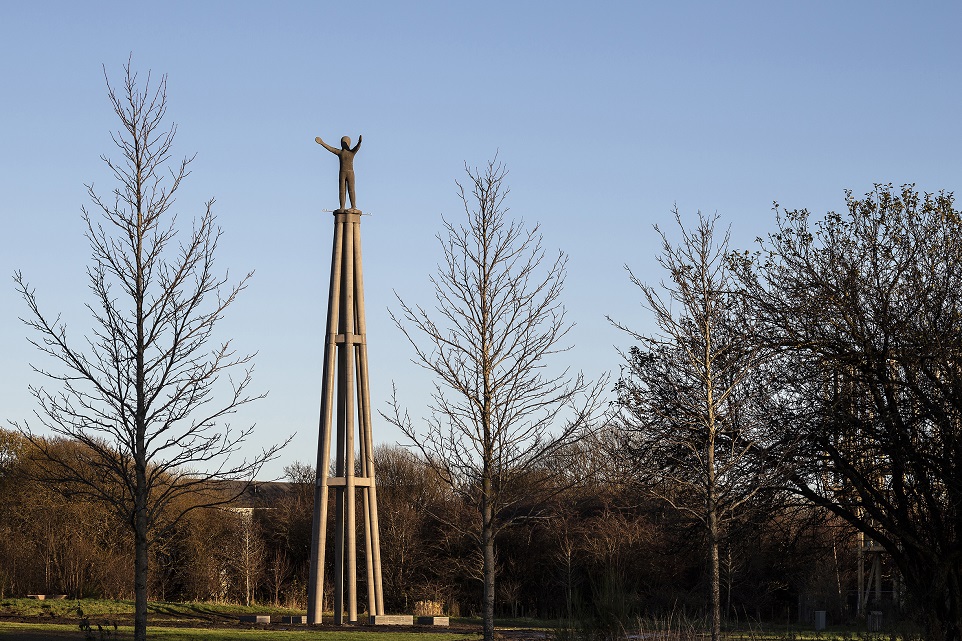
point(208, 621)
point(158, 610)
point(219, 622)
point(37, 631)
point(512, 623)
point(227, 629)
point(63, 608)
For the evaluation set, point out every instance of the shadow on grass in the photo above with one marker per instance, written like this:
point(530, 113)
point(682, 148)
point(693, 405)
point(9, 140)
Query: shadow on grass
point(195, 611)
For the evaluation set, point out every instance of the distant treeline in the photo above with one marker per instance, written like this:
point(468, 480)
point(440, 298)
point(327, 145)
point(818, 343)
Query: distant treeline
point(595, 550)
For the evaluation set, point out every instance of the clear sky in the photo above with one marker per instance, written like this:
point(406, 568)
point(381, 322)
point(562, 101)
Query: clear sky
point(606, 114)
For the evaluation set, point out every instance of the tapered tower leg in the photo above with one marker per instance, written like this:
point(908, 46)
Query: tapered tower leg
point(375, 590)
point(347, 349)
point(346, 373)
point(315, 600)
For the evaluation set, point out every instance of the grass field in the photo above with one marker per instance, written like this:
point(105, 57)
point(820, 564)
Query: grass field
point(33, 620)
point(158, 610)
point(54, 632)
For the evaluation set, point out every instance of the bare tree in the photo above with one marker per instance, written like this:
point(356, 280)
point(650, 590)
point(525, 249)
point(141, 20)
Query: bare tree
point(687, 392)
point(247, 554)
point(278, 571)
point(496, 414)
point(407, 491)
point(140, 392)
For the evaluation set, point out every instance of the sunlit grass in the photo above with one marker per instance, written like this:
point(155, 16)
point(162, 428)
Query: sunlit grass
point(14, 631)
point(211, 621)
point(217, 621)
point(158, 610)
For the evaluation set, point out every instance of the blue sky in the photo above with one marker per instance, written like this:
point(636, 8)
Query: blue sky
point(606, 114)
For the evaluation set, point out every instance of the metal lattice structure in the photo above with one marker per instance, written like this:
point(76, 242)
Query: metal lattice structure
point(873, 569)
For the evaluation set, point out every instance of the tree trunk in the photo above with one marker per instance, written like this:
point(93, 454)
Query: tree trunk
point(941, 606)
point(729, 579)
point(715, 574)
point(711, 498)
point(140, 572)
point(140, 426)
point(487, 482)
point(487, 541)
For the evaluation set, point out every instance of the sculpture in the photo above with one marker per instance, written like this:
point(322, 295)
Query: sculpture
point(345, 177)
point(345, 423)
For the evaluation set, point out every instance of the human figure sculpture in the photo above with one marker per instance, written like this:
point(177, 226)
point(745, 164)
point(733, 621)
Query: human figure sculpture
point(345, 177)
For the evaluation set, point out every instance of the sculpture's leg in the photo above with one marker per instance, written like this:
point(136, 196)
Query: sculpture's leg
point(342, 183)
point(350, 189)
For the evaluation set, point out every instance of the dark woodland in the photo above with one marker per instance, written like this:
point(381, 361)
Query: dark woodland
point(595, 551)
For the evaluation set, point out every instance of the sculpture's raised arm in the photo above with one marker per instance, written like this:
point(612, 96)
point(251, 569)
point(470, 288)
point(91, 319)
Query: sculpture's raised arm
point(358, 145)
point(333, 150)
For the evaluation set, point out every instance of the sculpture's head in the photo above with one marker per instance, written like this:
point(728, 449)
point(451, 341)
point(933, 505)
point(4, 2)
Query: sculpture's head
point(346, 142)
